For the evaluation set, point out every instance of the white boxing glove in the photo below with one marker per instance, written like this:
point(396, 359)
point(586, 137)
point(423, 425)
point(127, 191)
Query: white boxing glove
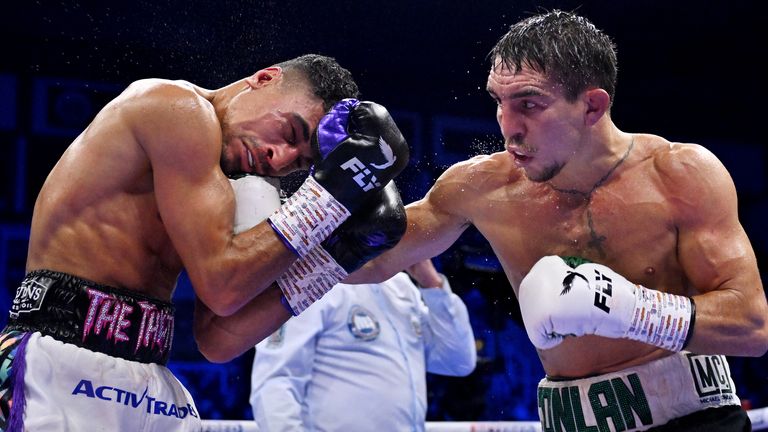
point(557, 300)
point(255, 199)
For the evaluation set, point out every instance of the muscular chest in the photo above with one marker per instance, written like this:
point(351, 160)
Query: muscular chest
point(631, 231)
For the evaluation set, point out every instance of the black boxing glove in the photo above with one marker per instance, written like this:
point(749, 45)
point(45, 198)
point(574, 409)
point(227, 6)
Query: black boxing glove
point(359, 144)
point(374, 229)
point(360, 149)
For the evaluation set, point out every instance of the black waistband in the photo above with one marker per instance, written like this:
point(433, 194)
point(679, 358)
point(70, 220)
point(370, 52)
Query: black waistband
point(113, 321)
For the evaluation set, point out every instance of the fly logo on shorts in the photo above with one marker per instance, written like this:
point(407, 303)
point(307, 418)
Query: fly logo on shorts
point(712, 377)
point(151, 405)
point(362, 172)
point(29, 298)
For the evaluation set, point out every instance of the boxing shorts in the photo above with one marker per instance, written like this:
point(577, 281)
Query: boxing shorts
point(77, 355)
point(642, 397)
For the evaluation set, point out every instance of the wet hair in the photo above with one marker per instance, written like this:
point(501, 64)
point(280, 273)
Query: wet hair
point(565, 47)
point(329, 81)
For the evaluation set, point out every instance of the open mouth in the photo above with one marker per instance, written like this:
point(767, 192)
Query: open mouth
point(520, 157)
point(247, 159)
point(250, 159)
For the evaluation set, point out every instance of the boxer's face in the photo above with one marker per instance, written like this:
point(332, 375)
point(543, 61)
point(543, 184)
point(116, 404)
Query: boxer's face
point(267, 129)
point(541, 128)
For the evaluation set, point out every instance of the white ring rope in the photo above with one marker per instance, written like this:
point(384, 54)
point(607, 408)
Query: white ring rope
point(758, 416)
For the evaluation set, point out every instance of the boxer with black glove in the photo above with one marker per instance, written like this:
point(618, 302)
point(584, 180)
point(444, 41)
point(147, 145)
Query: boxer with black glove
point(375, 228)
point(360, 149)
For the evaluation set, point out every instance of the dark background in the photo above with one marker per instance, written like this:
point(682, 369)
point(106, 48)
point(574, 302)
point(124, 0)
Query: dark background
point(690, 71)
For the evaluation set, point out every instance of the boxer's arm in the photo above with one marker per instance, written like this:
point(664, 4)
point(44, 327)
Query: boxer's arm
point(726, 313)
point(221, 339)
point(716, 256)
point(181, 137)
point(375, 227)
point(434, 224)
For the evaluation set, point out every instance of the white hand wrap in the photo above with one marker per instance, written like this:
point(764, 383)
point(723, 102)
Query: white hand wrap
point(661, 319)
point(308, 217)
point(309, 278)
point(557, 300)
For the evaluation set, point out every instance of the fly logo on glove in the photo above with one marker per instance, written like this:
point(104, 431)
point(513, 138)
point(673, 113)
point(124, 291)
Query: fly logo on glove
point(359, 149)
point(627, 310)
point(358, 167)
point(568, 281)
point(604, 289)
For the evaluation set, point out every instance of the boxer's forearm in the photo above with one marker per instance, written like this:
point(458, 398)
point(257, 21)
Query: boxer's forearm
point(729, 322)
point(221, 339)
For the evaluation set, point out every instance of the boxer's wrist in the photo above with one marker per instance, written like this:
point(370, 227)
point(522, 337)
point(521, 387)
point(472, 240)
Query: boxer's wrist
point(308, 217)
point(308, 279)
point(638, 313)
point(661, 319)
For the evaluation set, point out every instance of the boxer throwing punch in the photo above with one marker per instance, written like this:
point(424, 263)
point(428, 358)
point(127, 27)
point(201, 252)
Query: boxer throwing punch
point(666, 282)
point(142, 193)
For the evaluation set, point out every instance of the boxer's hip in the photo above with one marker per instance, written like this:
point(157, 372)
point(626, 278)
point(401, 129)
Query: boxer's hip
point(60, 386)
point(100, 318)
point(640, 397)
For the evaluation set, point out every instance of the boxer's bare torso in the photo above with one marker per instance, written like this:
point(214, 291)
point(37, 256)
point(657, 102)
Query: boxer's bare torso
point(627, 224)
point(97, 216)
point(142, 191)
point(645, 221)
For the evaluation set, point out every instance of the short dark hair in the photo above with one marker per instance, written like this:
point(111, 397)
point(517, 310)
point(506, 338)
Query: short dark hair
point(329, 81)
point(568, 48)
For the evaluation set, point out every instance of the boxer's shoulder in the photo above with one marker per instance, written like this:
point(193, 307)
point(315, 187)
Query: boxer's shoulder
point(162, 87)
point(158, 112)
point(464, 188)
point(687, 172)
point(156, 100)
point(478, 176)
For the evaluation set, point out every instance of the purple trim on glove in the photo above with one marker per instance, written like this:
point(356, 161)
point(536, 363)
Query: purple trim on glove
point(333, 126)
point(285, 241)
point(286, 305)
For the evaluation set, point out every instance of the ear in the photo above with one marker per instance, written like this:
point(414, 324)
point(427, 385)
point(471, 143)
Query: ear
point(264, 77)
point(598, 101)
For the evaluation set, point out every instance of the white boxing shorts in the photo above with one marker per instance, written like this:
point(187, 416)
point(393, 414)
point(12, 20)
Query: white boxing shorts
point(68, 388)
point(640, 397)
point(79, 356)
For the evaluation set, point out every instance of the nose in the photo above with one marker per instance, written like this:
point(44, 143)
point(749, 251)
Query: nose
point(283, 158)
point(512, 126)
